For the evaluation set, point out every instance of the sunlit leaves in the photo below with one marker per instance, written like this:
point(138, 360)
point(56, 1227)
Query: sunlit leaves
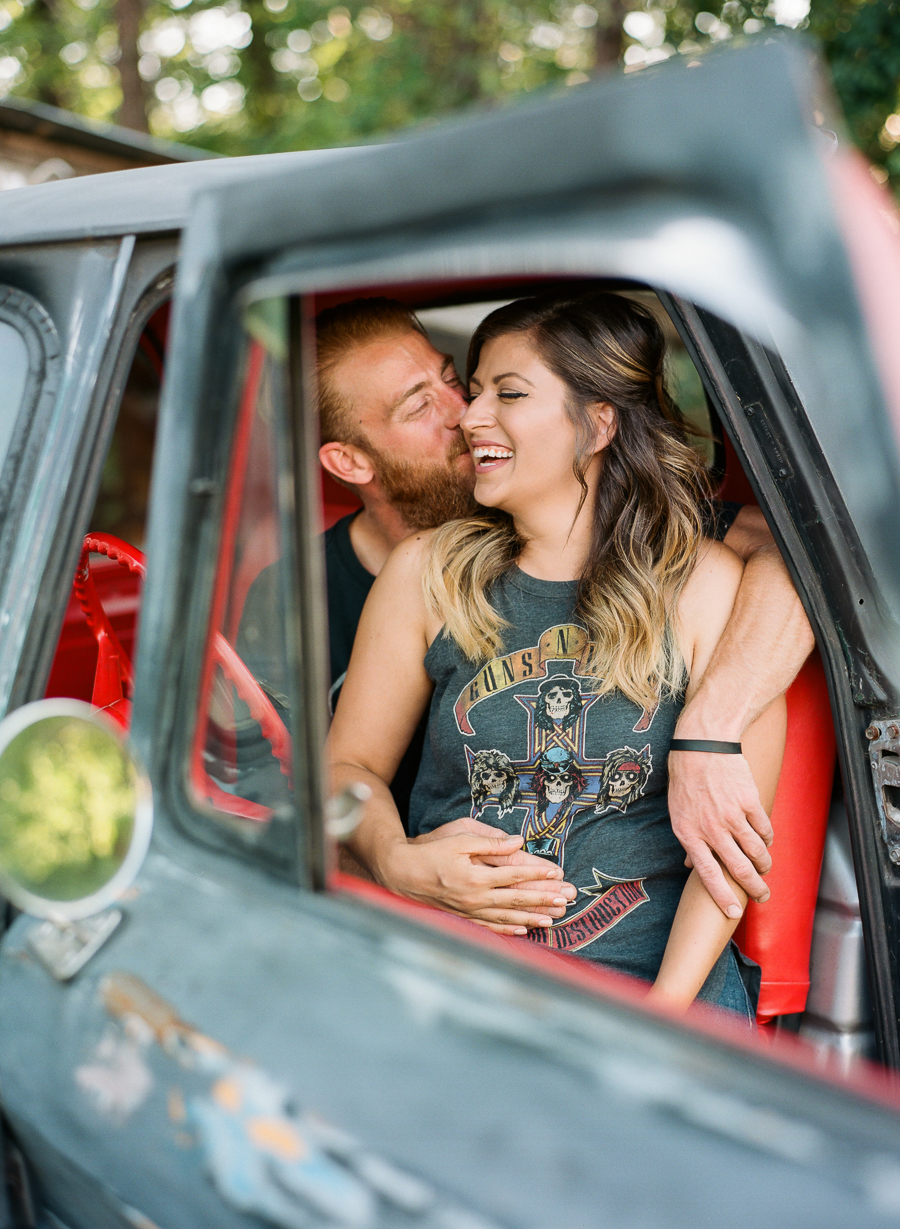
point(862, 42)
point(256, 75)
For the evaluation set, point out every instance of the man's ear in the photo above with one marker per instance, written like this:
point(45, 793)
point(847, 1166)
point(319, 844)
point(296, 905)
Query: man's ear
point(346, 462)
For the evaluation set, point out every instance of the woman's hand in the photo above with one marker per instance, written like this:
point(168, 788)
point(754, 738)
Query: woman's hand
point(480, 873)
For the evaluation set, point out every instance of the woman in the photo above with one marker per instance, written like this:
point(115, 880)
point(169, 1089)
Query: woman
point(557, 636)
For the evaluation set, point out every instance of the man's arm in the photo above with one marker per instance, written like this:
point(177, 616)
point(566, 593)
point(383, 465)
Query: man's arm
point(713, 800)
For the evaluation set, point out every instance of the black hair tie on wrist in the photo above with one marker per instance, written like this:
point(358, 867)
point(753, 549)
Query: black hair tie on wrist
point(704, 744)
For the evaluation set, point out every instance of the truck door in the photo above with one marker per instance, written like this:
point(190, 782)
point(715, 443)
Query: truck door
point(263, 1041)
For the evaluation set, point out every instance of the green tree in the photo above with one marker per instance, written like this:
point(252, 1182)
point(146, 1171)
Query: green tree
point(246, 76)
point(862, 45)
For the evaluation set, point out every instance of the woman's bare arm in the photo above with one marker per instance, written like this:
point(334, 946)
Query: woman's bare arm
point(700, 930)
point(386, 691)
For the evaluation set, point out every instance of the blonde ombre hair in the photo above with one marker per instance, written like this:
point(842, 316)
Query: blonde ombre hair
point(647, 526)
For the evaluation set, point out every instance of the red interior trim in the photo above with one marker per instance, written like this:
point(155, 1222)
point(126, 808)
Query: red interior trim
point(203, 784)
point(452, 291)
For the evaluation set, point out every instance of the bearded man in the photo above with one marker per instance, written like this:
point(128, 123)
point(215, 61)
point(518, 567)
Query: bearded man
point(390, 407)
point(389, 411)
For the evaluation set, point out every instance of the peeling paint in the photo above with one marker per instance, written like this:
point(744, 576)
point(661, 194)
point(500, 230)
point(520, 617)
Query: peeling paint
point(175, 1106)
point(137, 1219)
point(293, 1170)
point(263, 1162)
point(118, 1079)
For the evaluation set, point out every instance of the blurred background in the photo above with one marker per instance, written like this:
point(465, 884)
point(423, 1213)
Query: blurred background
point(254, 76)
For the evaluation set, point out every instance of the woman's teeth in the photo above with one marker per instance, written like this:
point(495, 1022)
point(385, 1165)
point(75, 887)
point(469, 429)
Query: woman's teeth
point(489, 457)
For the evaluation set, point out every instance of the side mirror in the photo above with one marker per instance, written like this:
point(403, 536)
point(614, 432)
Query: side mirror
point(76, 815)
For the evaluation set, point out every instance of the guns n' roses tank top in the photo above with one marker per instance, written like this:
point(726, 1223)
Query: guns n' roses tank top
point(524, 743)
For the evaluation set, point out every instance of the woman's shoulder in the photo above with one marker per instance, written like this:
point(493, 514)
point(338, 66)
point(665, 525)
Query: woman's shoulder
point(410, 555)
point(400, 579)
point(708, 595)
point(450, 541)
point(396, 597)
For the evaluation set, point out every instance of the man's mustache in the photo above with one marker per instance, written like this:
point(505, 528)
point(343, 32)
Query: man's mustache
point(457, 449)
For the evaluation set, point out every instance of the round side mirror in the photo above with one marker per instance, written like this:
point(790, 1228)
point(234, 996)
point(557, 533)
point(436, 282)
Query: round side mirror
point(76, 810)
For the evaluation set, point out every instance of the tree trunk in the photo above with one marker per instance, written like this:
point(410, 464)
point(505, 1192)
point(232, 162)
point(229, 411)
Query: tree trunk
point(608, 39)
point(133, 111)
point(52, 39)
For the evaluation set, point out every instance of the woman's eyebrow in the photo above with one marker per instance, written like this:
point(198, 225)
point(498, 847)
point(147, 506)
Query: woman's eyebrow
point(515, 375)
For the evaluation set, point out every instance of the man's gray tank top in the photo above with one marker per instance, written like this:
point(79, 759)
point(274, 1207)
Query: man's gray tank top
point(524, 743)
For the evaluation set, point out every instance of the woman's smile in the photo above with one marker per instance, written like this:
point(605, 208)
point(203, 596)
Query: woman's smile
point(489, 456)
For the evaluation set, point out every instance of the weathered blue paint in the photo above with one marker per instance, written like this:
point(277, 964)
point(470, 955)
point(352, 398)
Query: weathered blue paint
point(524, 1102)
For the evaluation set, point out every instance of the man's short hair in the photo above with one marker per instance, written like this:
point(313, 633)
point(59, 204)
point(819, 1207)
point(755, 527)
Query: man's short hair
point(339, 330)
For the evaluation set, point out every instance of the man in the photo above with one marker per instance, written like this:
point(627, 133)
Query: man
point(390, 408)
point(381, 463)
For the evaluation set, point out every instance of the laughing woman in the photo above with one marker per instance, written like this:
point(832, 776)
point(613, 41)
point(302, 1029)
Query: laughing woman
point(556, 636)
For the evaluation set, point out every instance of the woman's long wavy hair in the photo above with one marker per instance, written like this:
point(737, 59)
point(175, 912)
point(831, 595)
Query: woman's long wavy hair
point(647, 524)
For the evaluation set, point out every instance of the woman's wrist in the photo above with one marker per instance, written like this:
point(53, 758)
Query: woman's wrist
point(394, 867)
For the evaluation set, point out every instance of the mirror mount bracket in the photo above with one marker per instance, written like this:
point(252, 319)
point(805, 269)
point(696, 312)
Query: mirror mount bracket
point(64, 947)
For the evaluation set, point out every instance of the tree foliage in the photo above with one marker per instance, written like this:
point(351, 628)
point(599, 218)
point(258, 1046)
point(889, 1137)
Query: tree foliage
point(242, 76)
point(862, 44)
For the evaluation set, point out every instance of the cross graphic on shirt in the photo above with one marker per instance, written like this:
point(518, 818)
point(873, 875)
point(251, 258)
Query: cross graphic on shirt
point(556, 778)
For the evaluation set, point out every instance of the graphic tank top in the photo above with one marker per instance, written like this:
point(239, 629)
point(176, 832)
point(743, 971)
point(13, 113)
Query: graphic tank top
point(524, 742)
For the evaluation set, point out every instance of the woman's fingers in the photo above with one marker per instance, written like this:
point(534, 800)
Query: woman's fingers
point(502, 928)
point(517, 919)
point(464, 826)
point(555, 906)
point(515, 876)
point(530, 902)
point(455, 873)
point(538, 868)
point(567, 890)
point(517, 908)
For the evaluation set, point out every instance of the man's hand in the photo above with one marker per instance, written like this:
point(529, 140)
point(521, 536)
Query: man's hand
point(714, 800)
point(717, 816)
point(482, 874)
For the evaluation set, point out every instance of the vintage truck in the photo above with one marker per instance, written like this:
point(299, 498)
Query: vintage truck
point(208, 1025)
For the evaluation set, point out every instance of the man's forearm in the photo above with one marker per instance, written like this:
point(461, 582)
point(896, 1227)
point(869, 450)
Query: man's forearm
point(767, 640)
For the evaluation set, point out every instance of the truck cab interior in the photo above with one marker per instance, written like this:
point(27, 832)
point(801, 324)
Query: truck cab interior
point(812, 919)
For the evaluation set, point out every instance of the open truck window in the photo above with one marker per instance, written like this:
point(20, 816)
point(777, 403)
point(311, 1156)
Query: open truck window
point(120, 512)
point(240, 765)
point(781, 935)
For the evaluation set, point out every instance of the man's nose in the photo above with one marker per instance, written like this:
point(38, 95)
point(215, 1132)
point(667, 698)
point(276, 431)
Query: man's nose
point(455, 406)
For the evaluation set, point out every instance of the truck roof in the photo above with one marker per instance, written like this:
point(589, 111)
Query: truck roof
point(147, 200)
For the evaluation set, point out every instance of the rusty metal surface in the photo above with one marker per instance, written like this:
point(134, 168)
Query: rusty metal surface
point(884, 761)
